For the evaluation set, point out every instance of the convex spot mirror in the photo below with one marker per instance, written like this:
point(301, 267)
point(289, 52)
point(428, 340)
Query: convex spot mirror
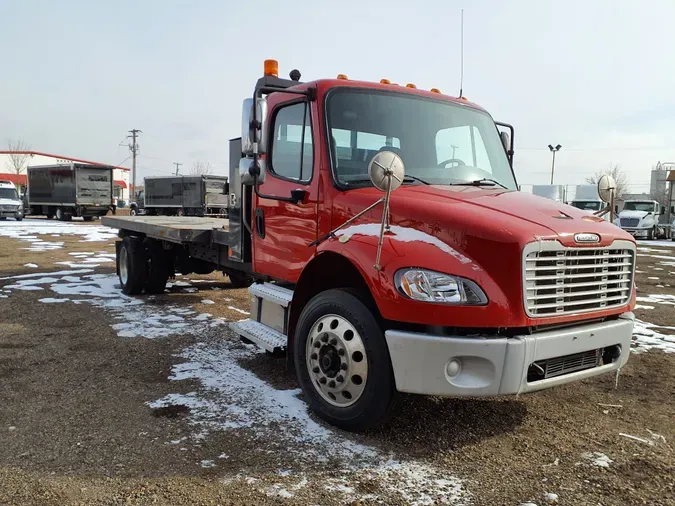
point(606, 186)
point(386, 171)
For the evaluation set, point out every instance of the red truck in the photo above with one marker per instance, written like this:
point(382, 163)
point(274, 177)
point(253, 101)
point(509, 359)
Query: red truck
point(453, 284)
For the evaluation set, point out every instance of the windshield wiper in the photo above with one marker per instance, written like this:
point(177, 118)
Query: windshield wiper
point(482, 182)
point(406, 179)
point(414, 178)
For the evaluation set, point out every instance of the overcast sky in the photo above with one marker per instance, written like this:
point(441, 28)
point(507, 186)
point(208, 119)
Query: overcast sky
point(595, 76)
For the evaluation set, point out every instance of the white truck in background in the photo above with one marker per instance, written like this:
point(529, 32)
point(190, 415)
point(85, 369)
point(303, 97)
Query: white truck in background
point(644, 218)
point(586, 198)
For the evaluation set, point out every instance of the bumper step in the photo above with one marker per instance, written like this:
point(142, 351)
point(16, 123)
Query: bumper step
point(260, 334)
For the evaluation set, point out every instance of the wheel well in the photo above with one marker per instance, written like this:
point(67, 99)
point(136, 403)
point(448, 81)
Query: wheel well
point(327, 270)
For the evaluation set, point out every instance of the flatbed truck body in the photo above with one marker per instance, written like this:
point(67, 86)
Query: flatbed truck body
point(381, 264)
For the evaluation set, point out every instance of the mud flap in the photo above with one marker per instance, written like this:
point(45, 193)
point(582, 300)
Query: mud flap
point(118, 247)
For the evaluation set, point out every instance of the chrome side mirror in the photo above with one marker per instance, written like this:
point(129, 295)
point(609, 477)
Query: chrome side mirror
point(250, 136)
point(247, 170)
point(506, 140)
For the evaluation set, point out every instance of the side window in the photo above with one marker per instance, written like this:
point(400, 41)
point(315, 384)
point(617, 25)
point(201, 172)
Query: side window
point(292, 150)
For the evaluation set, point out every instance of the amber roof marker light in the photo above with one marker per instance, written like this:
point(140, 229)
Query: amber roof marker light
point(272, 68)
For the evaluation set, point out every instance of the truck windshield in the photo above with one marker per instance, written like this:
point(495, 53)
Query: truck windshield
point(439, 142)
point(8, 193)
point(588, 205)
point(639, 206)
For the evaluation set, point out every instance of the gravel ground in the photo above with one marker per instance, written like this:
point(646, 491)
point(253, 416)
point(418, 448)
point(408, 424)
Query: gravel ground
point(113, 400)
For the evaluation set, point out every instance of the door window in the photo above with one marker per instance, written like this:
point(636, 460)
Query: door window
point(292, 150)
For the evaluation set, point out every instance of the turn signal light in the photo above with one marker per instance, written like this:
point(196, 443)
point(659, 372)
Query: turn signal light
point(410, 85)
point(435, 90)
point(342, 76)
point(272, 68)
point(385, 81)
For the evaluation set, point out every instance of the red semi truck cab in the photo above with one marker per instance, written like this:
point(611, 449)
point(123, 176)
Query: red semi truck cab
point(474, 289)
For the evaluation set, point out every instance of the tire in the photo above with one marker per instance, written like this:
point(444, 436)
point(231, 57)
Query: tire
point(133, 212)
point(132, 266)
point(60, 215)
point(180, 212)
point(49, 216)
point(371, 401)
point(18, 218)
point(157, 267)
point(88, 218)
point(239, 279)
point(3, 218)
point(651, 234)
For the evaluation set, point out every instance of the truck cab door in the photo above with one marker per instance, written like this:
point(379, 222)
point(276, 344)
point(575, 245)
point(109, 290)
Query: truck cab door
point(282, 231)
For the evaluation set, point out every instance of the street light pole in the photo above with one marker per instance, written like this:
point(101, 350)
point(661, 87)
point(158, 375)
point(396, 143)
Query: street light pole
point(554, 150)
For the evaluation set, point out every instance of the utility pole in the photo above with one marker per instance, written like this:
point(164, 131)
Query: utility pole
point(133, 147)
point(177, 164)
point(554, 150)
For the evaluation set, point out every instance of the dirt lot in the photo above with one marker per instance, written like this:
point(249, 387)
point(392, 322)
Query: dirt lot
point(107, 399)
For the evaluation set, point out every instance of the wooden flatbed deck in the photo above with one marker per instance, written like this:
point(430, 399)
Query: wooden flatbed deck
point(178, 229)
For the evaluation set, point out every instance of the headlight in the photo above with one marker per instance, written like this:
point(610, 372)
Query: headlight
point(646, 225)
point(430, 286)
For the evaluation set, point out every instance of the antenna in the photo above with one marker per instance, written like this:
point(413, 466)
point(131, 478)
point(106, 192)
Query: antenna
point(461, 65)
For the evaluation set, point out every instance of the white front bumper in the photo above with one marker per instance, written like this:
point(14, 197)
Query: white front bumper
point(499, 365)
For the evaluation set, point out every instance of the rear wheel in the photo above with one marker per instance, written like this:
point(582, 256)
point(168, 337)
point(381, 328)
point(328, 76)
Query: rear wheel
point(132, 266)
point(60, 215)
point(342, 362)
point(88, 218)
point(651, 234)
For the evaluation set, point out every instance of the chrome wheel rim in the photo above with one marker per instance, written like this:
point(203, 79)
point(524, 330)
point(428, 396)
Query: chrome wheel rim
point(124, 270)
point(336, 360)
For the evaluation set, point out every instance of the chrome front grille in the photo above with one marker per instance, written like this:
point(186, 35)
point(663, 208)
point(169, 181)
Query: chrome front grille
point(8, 207)
point(630, 222)
point(559, 281)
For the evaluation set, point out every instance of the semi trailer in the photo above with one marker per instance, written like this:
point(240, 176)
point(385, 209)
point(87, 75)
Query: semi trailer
point(200, 195)
point(389, 251)
point(67, 190)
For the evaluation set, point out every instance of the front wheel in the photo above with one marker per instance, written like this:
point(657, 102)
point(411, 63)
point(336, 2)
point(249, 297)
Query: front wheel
point(342, 362)
point(18, 217)
point(133, 212)
point(651, 234)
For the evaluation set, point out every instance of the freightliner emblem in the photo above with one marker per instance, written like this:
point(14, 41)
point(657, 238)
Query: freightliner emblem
point(586, 238)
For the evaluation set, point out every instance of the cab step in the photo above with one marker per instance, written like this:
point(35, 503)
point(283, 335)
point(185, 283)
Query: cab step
point(273, 293)
point(262, 335)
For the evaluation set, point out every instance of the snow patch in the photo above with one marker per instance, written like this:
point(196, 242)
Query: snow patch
point(32, 266)
point(28, 230)
point(647, 339)
point(598, 459)
point(404, 234)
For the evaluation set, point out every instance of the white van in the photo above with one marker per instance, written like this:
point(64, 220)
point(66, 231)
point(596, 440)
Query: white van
point(11, 205)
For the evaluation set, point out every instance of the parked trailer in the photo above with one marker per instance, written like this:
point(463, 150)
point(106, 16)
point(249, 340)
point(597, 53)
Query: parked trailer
point(375, 282)
point(67, 190)
point(202, 195)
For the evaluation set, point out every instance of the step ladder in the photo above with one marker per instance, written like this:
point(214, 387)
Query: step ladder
point(256, 331)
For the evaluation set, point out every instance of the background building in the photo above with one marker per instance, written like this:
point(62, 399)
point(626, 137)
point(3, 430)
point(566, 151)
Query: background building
point(13, 165)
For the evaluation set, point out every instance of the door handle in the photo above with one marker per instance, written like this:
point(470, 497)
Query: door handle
point(260, 222)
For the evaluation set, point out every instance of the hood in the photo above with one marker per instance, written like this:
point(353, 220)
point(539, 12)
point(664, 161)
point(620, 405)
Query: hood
point(11, 202)
point(633, 214)
point(521, 216)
